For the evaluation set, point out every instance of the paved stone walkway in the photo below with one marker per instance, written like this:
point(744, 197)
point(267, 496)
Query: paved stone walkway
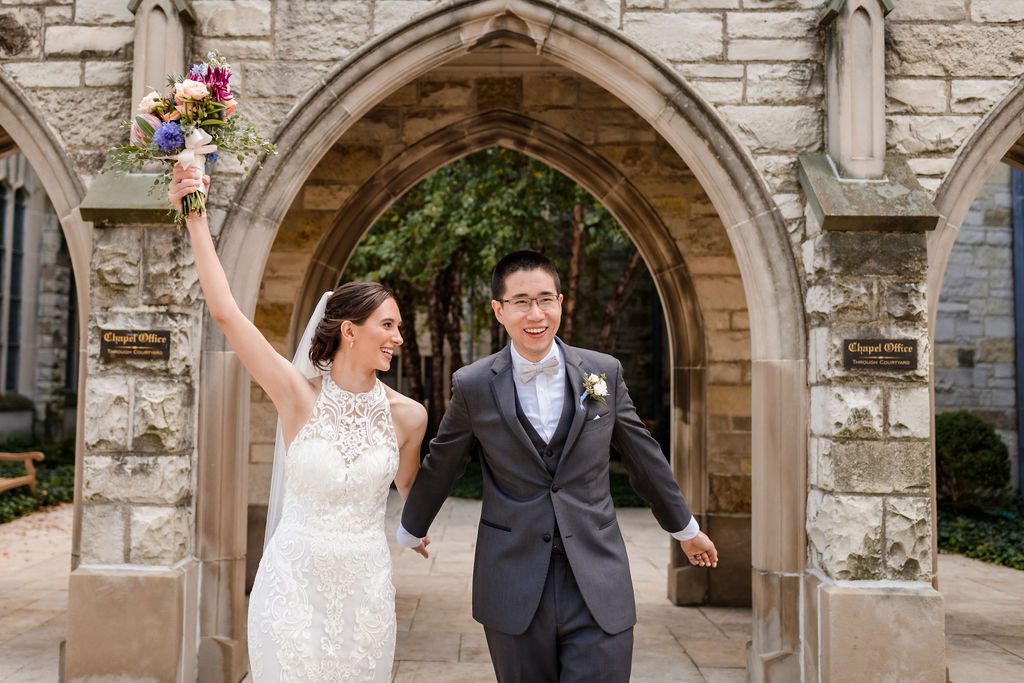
point(440, 643)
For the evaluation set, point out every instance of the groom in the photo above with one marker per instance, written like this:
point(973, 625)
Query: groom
point(551, 580)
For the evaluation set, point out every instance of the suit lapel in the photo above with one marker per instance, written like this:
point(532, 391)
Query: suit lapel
point(574, 368)
point(503, 388)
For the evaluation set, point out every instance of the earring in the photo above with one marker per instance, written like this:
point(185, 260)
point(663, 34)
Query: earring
point(351, 343)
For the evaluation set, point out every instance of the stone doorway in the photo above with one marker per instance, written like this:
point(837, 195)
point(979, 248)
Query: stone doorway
point(315, 200)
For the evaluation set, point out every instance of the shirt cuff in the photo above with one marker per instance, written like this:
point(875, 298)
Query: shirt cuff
point(407, 540)
point(691, 531)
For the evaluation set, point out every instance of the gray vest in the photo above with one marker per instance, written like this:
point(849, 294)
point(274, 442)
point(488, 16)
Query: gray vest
point(551, 451)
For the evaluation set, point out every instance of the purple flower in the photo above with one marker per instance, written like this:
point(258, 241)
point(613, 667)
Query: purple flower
point(216, 79)
point(168, 138)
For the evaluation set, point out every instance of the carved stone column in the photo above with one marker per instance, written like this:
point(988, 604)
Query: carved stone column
point(133, 598)
point(160, 36)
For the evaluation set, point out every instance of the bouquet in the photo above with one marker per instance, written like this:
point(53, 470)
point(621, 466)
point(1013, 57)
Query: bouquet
point(190, 126)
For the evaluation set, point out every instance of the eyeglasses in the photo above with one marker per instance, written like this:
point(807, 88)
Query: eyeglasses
point(522, 304)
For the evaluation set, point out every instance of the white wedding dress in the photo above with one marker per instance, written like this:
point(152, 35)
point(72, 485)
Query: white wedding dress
point(322, 609)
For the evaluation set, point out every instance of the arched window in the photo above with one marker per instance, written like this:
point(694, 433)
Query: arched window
point(15, 290)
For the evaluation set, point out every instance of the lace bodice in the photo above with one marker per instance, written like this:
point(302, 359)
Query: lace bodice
point(322, 609)
point(341, 464)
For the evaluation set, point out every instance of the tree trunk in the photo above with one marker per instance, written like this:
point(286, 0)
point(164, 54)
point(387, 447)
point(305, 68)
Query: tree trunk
point(615, 303)
point(453, 319)
point(410, 350)
point(436, 314)
point(572, 284)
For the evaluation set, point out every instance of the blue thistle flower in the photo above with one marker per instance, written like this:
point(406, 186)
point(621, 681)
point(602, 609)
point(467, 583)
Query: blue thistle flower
point(212, 158)
point(168, 138)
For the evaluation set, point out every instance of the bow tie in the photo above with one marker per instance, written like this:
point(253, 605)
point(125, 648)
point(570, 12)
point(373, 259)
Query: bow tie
point(529, 371)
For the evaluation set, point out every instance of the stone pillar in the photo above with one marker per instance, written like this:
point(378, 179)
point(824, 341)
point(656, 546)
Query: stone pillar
point(870, 612)
point(133, 598)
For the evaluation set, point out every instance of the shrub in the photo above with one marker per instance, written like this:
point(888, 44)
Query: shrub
point(972, 463)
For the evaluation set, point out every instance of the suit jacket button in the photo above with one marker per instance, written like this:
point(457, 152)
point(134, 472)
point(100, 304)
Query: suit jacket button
point(547, 538)
point(554, 488)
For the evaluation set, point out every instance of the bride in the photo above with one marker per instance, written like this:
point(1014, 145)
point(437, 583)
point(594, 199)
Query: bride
point(322, 608)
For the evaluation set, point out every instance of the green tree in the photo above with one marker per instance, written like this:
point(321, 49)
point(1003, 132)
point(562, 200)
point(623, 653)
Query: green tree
point(437, 245)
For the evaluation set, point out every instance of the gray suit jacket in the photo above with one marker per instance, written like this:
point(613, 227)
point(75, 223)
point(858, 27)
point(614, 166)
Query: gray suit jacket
point(521, 500)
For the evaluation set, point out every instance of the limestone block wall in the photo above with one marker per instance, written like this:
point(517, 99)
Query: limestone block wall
point(138, 466)
point(948, 63)
point(975, 337)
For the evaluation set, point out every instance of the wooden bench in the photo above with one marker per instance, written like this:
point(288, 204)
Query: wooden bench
point(8, 483)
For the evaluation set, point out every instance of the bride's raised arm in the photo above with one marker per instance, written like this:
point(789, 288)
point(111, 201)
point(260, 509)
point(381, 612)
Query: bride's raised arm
point(285, 385)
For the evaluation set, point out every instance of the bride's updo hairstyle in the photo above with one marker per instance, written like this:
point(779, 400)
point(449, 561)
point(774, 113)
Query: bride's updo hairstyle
point(353, 301)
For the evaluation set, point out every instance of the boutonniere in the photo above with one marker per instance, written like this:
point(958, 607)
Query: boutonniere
point(595, 386)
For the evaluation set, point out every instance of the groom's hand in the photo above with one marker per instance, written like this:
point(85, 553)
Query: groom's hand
point(422, 547)
point(700, 551)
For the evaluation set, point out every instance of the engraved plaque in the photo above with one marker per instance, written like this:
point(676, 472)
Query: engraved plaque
point(136, 344)
point(892, 355)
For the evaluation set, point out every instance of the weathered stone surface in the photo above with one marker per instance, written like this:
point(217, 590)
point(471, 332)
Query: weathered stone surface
point(320, 30)
point(855, 554)
point(54, 75)
point(905, 301)
point(978, 96)
point(915, 96)
point(1003, 11)
point(159, 535)
point(283, 79)
point(116, 261)
point(170, 275)
point(684, 37)
point(390, 14)
point(163, 416)
point(234, 18)
point(872, 466)
point(952, 50)
point(919, 134)
point(103, 532)
point(118, 74)
point(846, 411)
point(860, 254)
point(21, 33)
point(908, 544)
point(777, 129)
point(238, 48)
point(103, 108)
point(106, 414)
point(910, 412)
point(760, 50)
point(102, 12)
point(163, 479)
point(799, 25)
point(88, 41)
point(686, 4)
point(792, 83)
point(928, 10)
point(57, 16)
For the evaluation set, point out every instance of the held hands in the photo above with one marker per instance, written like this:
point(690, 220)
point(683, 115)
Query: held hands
point(422, 548)
point(185, 182)
point(700, 551)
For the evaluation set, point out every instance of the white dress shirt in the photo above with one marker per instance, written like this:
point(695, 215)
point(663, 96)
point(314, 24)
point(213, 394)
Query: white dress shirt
point(541, 400)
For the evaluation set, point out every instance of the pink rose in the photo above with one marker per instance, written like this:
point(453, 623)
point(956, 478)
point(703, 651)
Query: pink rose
point(190, 90)
point(231, 105)
point(150, 102)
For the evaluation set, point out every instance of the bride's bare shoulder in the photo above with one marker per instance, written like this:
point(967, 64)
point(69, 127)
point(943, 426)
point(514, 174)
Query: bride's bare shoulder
point(405, 411)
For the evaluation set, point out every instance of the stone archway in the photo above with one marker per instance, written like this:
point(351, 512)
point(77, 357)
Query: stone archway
point(33, 138)
point(1001, 136)
point(681, 308)
point(695, 132)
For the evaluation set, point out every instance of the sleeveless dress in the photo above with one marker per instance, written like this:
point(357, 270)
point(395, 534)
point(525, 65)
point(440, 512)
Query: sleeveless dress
point(322, 608)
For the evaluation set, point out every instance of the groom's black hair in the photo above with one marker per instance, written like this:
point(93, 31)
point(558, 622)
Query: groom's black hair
point(517, 261)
